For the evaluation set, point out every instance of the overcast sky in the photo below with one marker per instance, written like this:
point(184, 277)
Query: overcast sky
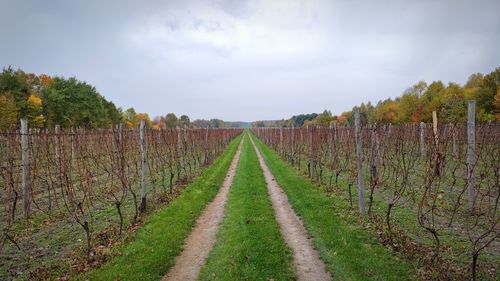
point(250, 60)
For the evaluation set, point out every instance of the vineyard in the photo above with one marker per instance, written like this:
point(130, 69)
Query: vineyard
point(250, 140)
point(58, 185)
point(429, 192)
point(432, 191)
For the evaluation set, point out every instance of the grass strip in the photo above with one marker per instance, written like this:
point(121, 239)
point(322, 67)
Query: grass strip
point(153, 250)
point(249, 243)
point(349, 251)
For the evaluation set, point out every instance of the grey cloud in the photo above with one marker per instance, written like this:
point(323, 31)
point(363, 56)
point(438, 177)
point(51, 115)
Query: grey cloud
point(204, 25)
point(248, 60)
point(236, 8)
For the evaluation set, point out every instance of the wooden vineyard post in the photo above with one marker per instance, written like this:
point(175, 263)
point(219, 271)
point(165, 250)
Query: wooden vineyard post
point(185, 141)
point(435, 128)
point(57, 131)
point(422, 140)
point(293, 145)
point(471, 147)
point(437, 154)
point(373, 164)
point(25, 154)
point(310, 131)
point(301, 143)
point(281, 141)
point(120, 133)
point(206, 147)
point(73, 155)
point(142, 207)
point(359, 158)
point(330, 136)
point(179, 151)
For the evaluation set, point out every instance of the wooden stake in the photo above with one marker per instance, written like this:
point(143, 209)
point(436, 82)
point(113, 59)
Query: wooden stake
point(142, 207)
point(471, 157)
point(359, 158)
point(435, 128)
point(422, 140)
point(281, 141)
point(25, 156)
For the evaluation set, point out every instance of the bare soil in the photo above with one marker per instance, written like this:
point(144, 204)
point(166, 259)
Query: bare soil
point(202, 237)
point(306, 259)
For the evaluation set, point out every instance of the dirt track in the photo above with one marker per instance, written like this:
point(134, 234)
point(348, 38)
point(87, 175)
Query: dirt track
point(305, 258)
point(202, 237)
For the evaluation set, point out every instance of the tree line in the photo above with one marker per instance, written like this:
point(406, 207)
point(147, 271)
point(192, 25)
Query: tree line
point(46, 101)
point(416, 105)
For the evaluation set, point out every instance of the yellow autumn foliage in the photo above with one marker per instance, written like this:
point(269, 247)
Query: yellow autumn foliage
point(34, 101)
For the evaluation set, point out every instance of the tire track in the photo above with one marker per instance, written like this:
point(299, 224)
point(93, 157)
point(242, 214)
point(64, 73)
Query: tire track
point(305, 258)
point(202, 238)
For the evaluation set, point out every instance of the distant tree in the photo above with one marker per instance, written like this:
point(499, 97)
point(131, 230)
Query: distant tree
point(73, 103)
point(386, 111)
point(409, 110)
point(323, 119)
point(171, 120)
point(431, 100)
point(217, 123)
point(9, 112)
point(16, 84)
point(298, 120)
point(145, 117)
point(344, 118)
point(454, 105)
point(34, 112)
point(45, 80)
point(487, 91)
point(367, 113)
point(130, 118)
point(184, 121)
point(259, 124)
point(496, 105)
point(474, 81)
point(159, 122)
point(200, 123)
point(114, 115)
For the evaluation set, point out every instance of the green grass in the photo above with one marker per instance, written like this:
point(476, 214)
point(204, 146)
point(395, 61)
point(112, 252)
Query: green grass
point(249, 243)
point(349, 251)
point(153, 250)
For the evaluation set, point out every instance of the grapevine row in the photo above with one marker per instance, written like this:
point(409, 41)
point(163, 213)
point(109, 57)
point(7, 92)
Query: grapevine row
point(424, 169)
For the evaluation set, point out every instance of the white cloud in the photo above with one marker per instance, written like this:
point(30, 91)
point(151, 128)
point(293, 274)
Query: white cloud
point(281, 30)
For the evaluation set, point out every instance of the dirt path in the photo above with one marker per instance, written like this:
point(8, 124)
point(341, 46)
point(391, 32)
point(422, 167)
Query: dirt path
point(202, 237)
point(305, 258)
